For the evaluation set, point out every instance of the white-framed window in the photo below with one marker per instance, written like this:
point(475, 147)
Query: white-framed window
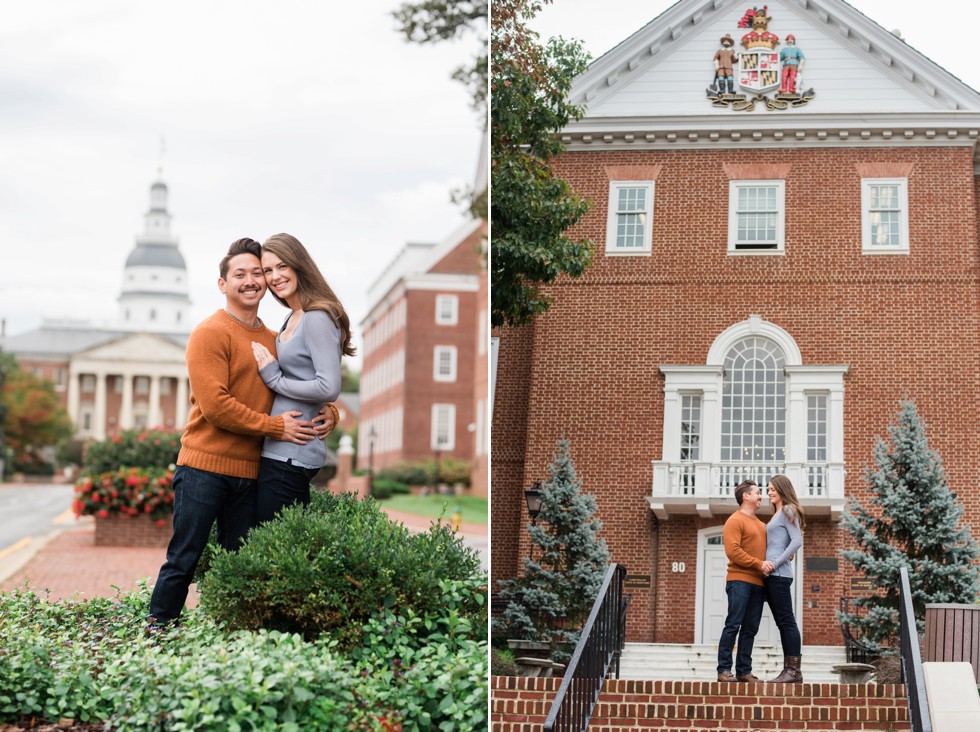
point(444, 363)
point(142, 385)
point(88, 383)
point(494, 350)
point(885, 215)
point(166, 387)
point(481, 338)
point(60, 379)
point(756, 216)
point(443, 426)
point(447, 309)
point(629, 229)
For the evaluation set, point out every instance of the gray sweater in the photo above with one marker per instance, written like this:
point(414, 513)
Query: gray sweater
point(306, 376)
point(783, 540)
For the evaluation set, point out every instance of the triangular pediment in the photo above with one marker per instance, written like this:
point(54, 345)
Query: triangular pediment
point(854, 66)
point(136, 347)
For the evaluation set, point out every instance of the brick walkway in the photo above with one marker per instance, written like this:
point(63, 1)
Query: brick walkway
point(70, 563)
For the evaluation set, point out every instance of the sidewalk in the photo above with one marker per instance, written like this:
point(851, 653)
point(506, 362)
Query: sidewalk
point(67, 563)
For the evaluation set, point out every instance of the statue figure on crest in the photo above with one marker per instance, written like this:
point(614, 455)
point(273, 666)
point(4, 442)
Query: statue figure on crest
point(725, 59)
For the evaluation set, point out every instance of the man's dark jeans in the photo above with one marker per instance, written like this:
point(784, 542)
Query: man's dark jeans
point(200, 499)
point(745, 603)
point(779, 595)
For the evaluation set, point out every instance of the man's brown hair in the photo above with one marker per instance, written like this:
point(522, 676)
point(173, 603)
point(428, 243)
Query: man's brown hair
point(241, 246)
point(743, 488)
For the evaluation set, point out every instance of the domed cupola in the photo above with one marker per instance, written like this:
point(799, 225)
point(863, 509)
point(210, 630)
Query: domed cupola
point(154, 294)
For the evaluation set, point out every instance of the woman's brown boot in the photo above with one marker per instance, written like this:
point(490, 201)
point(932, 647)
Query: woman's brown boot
point(791, 673)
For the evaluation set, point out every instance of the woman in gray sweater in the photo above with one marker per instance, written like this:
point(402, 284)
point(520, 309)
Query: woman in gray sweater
point(784, 537)
point(310, 344)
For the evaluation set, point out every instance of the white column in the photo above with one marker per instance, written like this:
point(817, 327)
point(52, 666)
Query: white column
point(98, 426)
point(126, 410)
point(153, 418)
point(74, 396)
point(180, 413)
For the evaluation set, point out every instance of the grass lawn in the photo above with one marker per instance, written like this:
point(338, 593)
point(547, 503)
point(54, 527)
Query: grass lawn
point(474, 509)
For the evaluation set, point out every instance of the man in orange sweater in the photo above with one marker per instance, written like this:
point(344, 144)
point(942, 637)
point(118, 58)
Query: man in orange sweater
point(218, 463)
point(745, 545)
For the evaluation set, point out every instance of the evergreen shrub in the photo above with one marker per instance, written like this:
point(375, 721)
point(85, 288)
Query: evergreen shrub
point(132, 448)
point(331, 566)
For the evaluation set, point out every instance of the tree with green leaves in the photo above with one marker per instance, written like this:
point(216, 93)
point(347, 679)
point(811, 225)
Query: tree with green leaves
point(552, 598)
point(915, 523)
point(33, 416)
point(532, 207)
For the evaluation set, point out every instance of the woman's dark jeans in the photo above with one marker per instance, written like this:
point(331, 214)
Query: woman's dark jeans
point(780, 599)
point(200, 499)
point(282, 484)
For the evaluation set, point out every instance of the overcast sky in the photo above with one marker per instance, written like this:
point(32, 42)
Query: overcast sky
point(943, 30)
point(313, 118)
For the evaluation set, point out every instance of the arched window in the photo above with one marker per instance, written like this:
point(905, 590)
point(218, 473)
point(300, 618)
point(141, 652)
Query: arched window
point(751, 410)
point(753, 403)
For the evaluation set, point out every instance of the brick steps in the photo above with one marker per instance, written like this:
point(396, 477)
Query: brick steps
point(520, 705)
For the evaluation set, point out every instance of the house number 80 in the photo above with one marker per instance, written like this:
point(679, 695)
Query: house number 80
point(677, 567)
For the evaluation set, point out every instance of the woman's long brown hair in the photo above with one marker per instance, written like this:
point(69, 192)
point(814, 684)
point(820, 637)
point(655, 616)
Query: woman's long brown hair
point(784, 487)
point(314, 292)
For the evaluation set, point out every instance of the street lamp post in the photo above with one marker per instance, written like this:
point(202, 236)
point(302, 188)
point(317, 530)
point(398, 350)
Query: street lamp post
point(532, 496)
point(372, 436)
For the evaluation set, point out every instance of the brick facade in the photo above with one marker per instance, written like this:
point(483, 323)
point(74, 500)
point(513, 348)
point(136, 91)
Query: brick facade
point(398, 388)
point(905, 325)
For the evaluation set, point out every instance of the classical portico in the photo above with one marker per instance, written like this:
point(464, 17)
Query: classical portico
point(136, 381)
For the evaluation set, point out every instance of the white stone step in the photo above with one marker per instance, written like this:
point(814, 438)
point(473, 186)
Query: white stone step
point(698, 662)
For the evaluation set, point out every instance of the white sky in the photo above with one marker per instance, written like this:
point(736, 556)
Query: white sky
point(944, 30)
point(313, 118)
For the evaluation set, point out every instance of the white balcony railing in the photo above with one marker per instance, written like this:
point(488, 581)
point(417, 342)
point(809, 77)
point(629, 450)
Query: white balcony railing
point(709, 488)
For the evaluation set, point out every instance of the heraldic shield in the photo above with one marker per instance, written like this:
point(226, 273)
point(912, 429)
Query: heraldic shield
point(759, 70)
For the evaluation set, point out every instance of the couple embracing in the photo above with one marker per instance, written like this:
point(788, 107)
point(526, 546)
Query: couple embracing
point(259, 401)
point(760, 572)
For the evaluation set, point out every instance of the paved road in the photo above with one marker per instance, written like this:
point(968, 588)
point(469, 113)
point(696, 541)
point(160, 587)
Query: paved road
point(27, 511)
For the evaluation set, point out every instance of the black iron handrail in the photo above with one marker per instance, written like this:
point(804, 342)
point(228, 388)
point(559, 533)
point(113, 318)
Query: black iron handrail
point(598, 650)
point(912, 677)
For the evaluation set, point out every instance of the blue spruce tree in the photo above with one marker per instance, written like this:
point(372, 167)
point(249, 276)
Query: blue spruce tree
point(552, 598)
point(916, 524)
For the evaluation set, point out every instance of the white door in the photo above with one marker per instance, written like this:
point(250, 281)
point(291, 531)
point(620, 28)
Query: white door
point(715, 601)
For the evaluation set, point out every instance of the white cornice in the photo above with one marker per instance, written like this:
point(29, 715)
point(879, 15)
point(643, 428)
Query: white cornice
point(442, 282)
point(948, 129)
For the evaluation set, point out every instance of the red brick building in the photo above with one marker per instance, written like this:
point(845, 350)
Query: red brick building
point(773, 273)
point(419, 346)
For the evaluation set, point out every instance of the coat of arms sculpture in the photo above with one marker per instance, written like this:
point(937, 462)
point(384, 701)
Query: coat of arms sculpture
point(759, 69)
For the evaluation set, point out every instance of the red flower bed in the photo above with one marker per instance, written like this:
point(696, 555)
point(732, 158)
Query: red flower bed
point(126, 492)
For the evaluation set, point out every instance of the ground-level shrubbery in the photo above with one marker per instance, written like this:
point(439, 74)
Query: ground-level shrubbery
point(412, 658)
point(332, 566)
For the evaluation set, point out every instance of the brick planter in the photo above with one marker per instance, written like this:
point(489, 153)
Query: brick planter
point(138, 531)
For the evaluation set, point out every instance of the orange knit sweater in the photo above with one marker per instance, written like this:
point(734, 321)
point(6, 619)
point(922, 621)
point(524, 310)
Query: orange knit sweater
point(745, 545)
point(229, 402)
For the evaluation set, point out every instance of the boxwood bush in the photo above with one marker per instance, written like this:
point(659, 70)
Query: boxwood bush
point(331, 566)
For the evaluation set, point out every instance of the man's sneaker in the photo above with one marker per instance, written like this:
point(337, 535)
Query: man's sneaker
point(726, 676)
point(748, 677)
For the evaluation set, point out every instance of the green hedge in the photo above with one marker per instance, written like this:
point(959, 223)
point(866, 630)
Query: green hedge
point(94, 661)
point(132, 448)
point(331, 566)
